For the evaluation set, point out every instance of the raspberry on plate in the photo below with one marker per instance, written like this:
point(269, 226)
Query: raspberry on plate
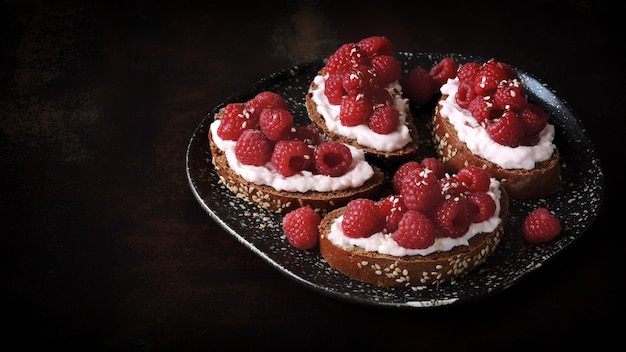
point(540, 225)
point(276, 123)
point(362, 218)
point(300, 226)
point(384, 119)
point(332, 158)
point(445, 69)
point(291, 156)
point(418, 85)
point(253, 148)
point(415, 231)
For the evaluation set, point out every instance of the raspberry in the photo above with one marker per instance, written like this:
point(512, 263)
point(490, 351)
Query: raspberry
point(421, 191)
point(510, 95)
point(446, 68)
point(362, 218)
point(343, 58)
point(253, 148)
point(265, 99)
point(386, 69)
point(356, 78)
point(507, 130)
point(476, 179)
point(436, 165)
point(292, 156)
point(534, 119)
point(467, 73)
point(485, 206)
point(375, 45)
point(276, 123)
point(451, 186)
point(308, 134)
point(483, 108)
point(384, 119)
point(300, 226)
point(489, 77)
point(355, 110)
point(418, 86)
point(464, 95)
point(234, 121)
point(540, 225)
point(333, 88)
point(392, 208)
point(378, 95)
point(415, 231)
point(453, 217)
point(332, 158)
point(403, 171)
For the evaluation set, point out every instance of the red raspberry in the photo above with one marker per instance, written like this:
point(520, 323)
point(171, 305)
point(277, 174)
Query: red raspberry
point(540, 225)
point(375, 45)
point(451, 186)
point(510, 95)
point(355, 110)
point(453, 217)
point(378, 95)
point(475, 178)
point(356, 78)
point(483, 108)
point(421, 191)
point(343, 58)
point(415, 231)
point(402, 172)
point(485, 206)
point(234, 121)
point(446, 68)
point(418, 86)
point(308, 134)
point(436, 165)
point(507, 130)
point(332, 158)
point(384, 119)
point(253, 148)
point(362, 218)
point(276, 123)
point(386, 69)
point(464, 95)
point(467, 73)
point(333, 88)
point(534, 119)
point(489, 77)
point(265, 99)
point(291, 156)
point(301, 227)
point(392, 207)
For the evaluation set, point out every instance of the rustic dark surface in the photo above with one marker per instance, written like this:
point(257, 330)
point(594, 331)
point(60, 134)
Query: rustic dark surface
point(105, 247)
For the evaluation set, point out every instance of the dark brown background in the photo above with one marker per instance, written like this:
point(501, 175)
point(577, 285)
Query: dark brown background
point(105, 247)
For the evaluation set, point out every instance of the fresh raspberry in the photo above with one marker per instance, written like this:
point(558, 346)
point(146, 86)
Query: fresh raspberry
point(489, 77)
point(343, 58)
point(510, 95)
point(415, 231)
point(375, 45)
point(276, 123)
point(392, 208)
point(483, 109)
point(378, 95)
point(436, 165)
point(308, 134)
point(485, 206)
point(265, 99)
point(387, 69)
point(355, 110)
point(451, 186)
point(421, 191)
point(253, 148)
point(507, 130)
point(403, 171)
point(467, 73)
point(362, 218)
point(332, 158)
point(291, 156)
point(356, 78)
point(464, 95)
point(540, 225)
point(300, 226)
point(234, 121)
point(384, 119)
point(442, 71)
point(453, 217)
point(333, 88)
point(418, 86)
point(534, 119)
point(475, 178)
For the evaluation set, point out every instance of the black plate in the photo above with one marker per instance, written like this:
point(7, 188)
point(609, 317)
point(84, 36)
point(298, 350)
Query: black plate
point(577, 205)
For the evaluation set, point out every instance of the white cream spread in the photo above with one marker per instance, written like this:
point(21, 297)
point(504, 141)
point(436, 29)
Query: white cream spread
point(385, 244)
point(362, 133)
point(479, 143)
point(359, 172)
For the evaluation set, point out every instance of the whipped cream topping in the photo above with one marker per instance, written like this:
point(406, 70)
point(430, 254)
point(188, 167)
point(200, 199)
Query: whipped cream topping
point(362, 133)
point(359, 172)
point(479, 143)
point(385, 244)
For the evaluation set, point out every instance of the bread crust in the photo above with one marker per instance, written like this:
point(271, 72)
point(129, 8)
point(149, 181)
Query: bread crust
point(540, 182)
point(277, 201)
point(404, 154)
point(410, 271)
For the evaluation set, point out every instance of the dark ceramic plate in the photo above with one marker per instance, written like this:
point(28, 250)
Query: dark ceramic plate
point(577, 205)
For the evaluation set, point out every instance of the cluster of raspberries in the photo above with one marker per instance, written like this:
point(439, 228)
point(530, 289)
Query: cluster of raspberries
point(264, 133)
